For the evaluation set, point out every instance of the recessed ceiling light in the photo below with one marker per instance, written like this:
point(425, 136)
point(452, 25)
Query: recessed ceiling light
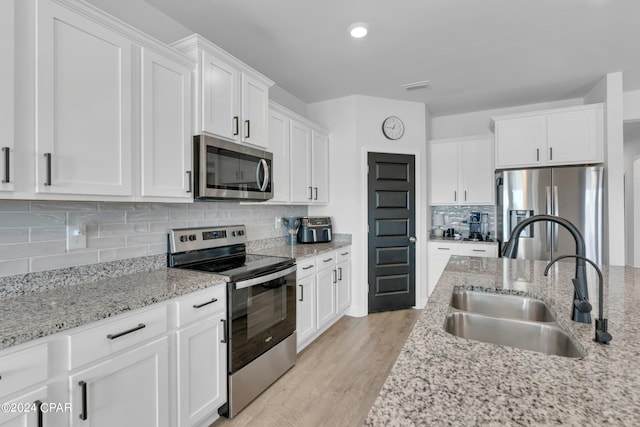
point(358, 30)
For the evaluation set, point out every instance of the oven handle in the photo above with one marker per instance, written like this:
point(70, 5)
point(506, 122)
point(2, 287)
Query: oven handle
point(262, 279)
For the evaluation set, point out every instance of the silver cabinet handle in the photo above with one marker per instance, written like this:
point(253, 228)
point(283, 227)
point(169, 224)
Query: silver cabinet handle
point(537, 154)
point(334, 273)
point(444, 249)
point(225, 333)
point(7, 175)
point(47, 157)
point(340, 273)
point(455, 196)
point(190, 186)
point(327, 260)
point(550, 153)
point(307, 267)
point(301, 293)
point(465, 195)
point(310, 193)
point(479, 250)
point(316, 194)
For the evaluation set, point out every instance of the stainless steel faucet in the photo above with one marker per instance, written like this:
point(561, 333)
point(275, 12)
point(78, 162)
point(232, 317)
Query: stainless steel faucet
point(602, 336)
point(581, 306)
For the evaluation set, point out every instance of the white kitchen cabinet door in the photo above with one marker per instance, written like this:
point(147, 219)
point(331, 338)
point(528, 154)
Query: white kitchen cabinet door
point(476, 172)
point(202, 366)
point(305, 310)
point(444, 174)
point(7, 84)
point(220, 108)
point(279, 136)
point(84, 104)
point(301, 188)
point(438, 257)
point(255, 112)
point(131, 389)
point(343, 293)
point(480, 250)
point(31, 414)
point(166, 128)
point(520, 141)
point(326, 283)
point(571, 137)
point(320, 166)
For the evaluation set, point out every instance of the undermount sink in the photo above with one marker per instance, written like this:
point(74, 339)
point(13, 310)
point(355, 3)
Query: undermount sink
point(545, 337)
point(501, 305)
point(510, 320)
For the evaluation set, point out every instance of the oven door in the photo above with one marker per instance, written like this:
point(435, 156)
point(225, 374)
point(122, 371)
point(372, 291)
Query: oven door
point(227, 170)
point(262, 313)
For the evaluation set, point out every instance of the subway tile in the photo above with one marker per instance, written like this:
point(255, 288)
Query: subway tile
point(39, 234)
point(146, 239)
point(167, 206)
point(14, 219)
point(122, 229)
point(105, 242)
point(140, 216)
point(95, 217)
point(54, 262)
point(118, 206)
point(122, 253)
point(164, 227)
point(157, 249)
point(14, 235)
point(14, 266)
point(14, 206)
point(185, 215)
point(26, 250)
point(63, 206)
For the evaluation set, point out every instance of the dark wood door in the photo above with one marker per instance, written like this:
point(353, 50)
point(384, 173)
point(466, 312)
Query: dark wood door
point(391, 219)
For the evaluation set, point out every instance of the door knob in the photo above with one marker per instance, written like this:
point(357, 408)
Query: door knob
point(412, 239)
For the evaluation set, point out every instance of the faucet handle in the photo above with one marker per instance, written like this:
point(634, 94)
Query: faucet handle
point(581, 303)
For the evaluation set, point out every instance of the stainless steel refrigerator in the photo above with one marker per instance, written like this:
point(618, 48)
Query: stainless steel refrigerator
point(573, 192)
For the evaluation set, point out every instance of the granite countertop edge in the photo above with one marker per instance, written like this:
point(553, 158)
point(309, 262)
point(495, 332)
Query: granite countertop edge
point(47, 311)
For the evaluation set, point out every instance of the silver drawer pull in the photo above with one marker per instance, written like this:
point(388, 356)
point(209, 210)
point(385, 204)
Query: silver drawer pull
point(327, 260)
point(479, 250)
point(205, 303)
point(445, 249)
point(307, 267)
point(344, 253)
point(128, 331)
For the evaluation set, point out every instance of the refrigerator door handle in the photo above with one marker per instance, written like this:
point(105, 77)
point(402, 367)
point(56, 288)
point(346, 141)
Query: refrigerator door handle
point(548, 211)
point(556, 213)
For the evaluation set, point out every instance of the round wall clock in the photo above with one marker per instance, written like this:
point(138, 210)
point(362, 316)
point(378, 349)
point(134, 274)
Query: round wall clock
point(392, 127)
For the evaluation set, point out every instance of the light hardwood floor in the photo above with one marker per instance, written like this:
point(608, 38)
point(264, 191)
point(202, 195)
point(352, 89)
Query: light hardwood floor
point(336, 378)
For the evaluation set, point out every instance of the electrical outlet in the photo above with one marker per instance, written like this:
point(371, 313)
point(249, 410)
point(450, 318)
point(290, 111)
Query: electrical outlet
point(278, 225)
point(76, 237)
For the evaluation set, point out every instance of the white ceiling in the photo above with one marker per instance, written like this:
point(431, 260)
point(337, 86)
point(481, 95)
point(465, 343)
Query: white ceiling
point(476, 54)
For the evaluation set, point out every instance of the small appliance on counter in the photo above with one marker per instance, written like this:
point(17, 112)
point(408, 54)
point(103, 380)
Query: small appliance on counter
point(315, 229)
point(475, 226)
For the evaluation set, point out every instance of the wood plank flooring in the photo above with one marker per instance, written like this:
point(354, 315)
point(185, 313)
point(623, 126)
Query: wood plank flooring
point(336, 378)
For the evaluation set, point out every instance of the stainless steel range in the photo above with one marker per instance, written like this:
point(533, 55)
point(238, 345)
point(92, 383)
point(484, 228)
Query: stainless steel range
point(261, 306)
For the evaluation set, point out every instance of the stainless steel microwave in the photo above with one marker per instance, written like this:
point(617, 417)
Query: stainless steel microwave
point(229, 171)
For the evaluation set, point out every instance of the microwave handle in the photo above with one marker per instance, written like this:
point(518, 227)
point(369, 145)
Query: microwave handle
point(265, 181)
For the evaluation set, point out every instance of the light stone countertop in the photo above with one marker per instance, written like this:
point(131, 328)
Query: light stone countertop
point(461, 241)
point(440, 379)
point(37, 305)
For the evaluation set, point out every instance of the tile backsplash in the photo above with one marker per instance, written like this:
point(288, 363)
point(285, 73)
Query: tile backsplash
point(33, 233)
point(458, 216)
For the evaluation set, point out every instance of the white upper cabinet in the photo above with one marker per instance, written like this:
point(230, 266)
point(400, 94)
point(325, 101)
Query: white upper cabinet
point(462, 171)
point(301, 188)
point(84, 99)
point(231, 100)
point(7, 51)
point(572, 135)
point(320, 166)
point(279, 137)
point(166, 127)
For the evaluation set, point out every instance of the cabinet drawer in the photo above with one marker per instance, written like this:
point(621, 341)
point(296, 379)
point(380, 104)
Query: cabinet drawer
point(479, 250)
point(201, 304)
point(344, 254)
point(306, 267)
point(447, 248)
point(326, 260)
point(23, 369)
point(120, 333)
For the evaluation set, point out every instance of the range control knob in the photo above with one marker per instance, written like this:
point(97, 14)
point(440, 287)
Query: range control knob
point(192, 237)
point(184, 238)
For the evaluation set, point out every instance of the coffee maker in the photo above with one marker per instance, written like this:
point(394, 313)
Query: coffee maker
point(475, 227)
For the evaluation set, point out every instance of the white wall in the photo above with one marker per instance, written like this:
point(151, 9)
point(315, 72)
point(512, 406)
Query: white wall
point(609, 91)
point(355, 123)
point(632, 214)
point(631, 105)
point(477, 122)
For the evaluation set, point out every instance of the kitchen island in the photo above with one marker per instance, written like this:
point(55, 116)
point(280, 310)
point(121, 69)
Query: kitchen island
point(441, 379)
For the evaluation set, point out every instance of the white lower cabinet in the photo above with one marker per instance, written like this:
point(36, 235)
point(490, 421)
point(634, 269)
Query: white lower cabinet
point(23, 386)
point(440, 251)
point(201, 357)
point(324, 293)
point(131, 389)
